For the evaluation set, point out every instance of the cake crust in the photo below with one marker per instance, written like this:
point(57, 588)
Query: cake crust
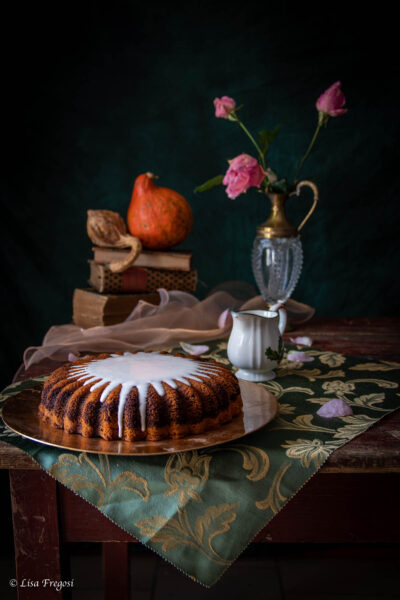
point(137, 396)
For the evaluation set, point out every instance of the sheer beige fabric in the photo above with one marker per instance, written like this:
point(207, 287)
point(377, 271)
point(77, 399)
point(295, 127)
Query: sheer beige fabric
point(180, 317)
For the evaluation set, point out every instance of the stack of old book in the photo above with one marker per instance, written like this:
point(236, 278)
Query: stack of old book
point(113, 296)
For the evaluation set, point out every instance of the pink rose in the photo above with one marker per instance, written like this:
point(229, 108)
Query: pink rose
point(244, 172)
point(224, 106)
point(331, 102)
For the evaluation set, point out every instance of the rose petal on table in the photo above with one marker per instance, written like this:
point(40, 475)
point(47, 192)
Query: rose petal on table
point(194, 349)
point(335, 408)
point(301, 340)
point(225, 319)
point(299, 357)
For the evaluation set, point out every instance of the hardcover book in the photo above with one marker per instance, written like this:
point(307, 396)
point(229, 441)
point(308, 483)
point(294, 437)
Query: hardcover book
point(91, 309)
point(175, 261)
point(140, 279)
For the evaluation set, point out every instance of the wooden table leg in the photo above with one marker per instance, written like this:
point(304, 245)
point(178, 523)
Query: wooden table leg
point(116, 570)
point(36, 539)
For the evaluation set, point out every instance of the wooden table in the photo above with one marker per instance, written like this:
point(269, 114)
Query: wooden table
point(356, 486)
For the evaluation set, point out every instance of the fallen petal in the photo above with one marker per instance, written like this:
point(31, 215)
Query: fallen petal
point(335, 408)
point(299, 357)
point(193, 349)
point(225, 319)
point(301, 340)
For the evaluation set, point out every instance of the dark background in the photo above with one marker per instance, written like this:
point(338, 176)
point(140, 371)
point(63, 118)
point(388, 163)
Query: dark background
point(99, 93)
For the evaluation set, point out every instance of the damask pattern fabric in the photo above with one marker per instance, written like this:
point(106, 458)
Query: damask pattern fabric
point(200, 509)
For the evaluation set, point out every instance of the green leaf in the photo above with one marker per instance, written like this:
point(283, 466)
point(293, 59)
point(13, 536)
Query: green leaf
point(266, 137)
point(280, 187)
point(276, 354)
point(210, 184)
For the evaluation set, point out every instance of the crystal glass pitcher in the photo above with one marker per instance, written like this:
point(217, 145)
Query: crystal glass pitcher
point(277, 255)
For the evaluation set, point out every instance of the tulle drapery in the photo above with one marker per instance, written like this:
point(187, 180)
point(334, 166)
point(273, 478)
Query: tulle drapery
point(180, 317)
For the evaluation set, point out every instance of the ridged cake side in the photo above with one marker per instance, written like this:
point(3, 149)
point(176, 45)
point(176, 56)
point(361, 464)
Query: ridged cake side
point(200, 402)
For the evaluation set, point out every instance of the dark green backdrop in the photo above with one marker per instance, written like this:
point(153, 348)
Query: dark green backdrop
point(100, 93)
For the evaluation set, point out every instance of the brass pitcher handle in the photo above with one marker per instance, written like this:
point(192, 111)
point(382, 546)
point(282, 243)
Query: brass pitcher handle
point(314, 189)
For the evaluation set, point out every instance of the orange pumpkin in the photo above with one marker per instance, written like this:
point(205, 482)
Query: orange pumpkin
point(159, 217)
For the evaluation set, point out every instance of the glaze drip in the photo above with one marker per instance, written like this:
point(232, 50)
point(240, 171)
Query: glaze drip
point(139, 370)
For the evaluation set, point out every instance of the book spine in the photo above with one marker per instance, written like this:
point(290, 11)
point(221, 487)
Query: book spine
point(87, 313)
point(139, 279)
point(153, 260)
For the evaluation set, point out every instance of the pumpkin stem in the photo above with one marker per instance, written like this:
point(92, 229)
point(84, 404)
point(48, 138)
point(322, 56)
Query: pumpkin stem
point(151, 175)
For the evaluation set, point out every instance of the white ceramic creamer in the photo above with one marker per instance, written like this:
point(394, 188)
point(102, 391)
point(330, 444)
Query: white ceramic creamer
point(255, 344)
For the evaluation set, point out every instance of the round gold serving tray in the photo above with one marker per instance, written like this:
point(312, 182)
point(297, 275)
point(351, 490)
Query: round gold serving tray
point(20, 413)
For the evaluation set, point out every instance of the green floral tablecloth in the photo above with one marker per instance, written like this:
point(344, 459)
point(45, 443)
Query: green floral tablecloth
point(200, 509)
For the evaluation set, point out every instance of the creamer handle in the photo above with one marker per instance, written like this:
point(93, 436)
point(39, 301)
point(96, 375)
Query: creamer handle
point(282, 320)
point(282, 316)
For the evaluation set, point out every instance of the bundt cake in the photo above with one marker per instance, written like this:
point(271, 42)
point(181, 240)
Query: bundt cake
point(140, 396)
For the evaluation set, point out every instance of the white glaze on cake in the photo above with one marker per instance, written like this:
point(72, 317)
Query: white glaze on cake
point(139, 370)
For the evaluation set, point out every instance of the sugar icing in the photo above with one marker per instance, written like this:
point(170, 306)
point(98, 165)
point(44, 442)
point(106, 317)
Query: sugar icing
point(139, 370)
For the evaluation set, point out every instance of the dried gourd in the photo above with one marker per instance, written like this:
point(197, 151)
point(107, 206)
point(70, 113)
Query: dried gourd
point(107, 228)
